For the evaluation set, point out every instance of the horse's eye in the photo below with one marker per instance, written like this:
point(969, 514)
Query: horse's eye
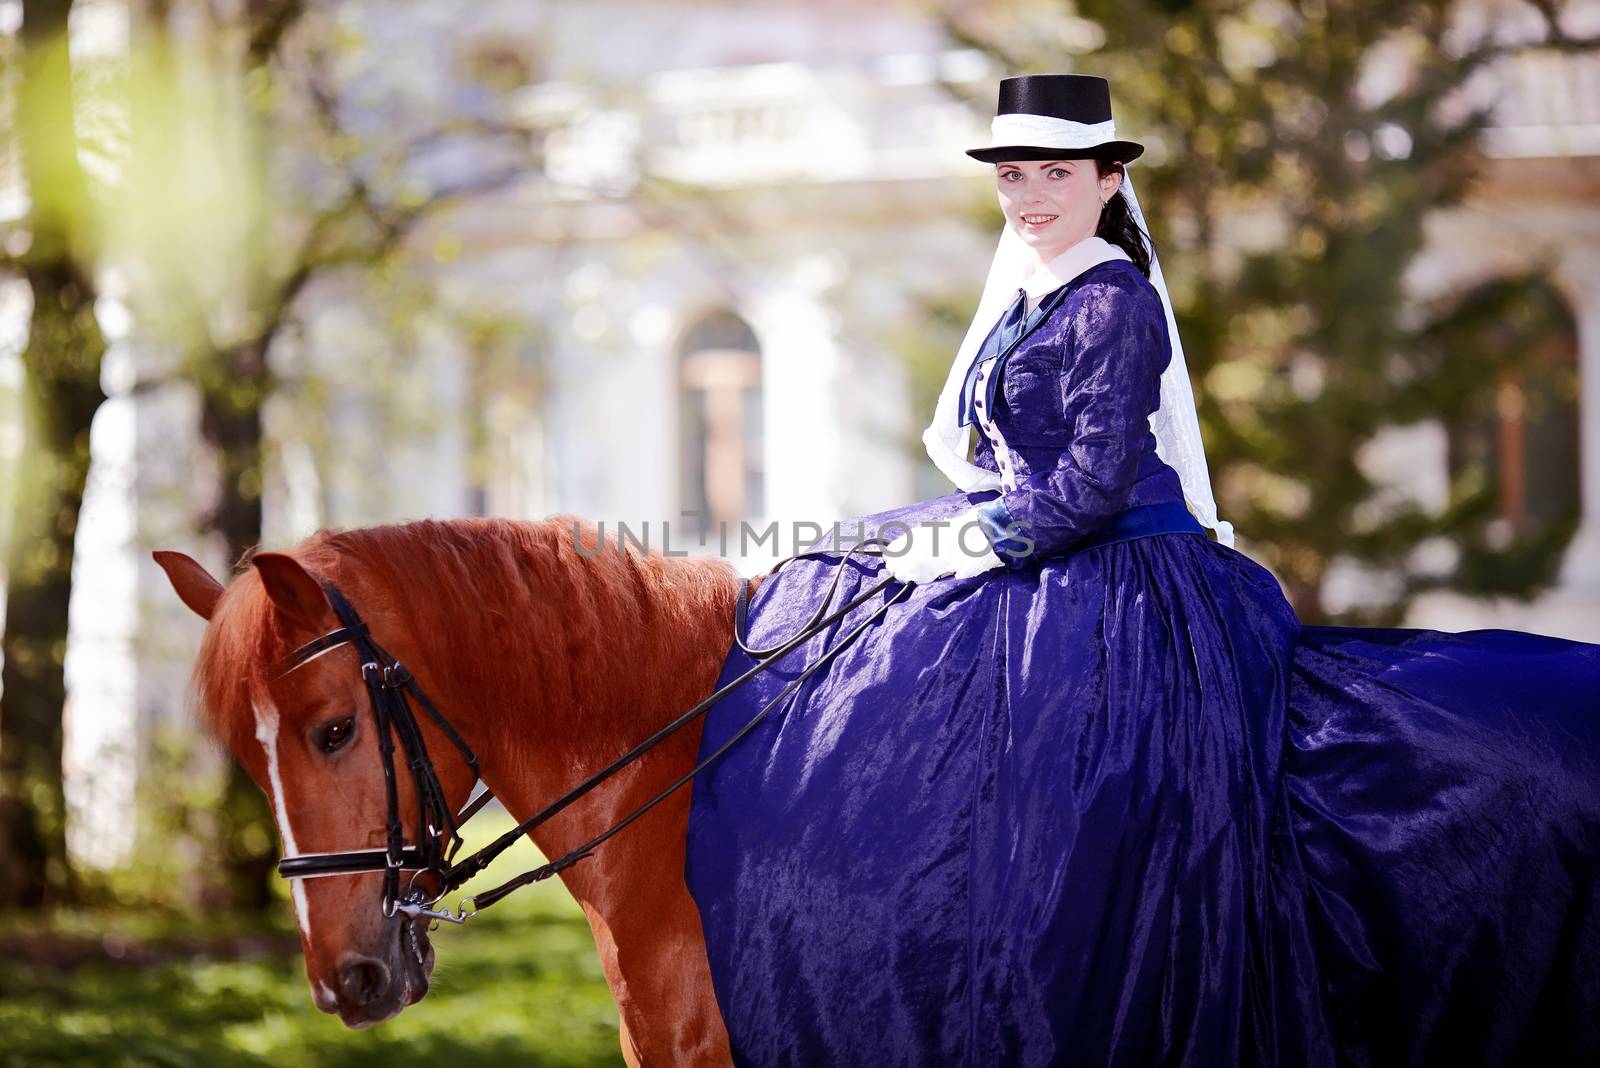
point(336, 734)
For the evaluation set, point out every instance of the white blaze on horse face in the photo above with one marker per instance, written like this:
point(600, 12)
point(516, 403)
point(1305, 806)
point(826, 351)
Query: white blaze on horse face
point(267, 735)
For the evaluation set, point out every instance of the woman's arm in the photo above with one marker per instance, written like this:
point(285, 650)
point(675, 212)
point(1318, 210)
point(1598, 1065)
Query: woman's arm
point(1110, 382)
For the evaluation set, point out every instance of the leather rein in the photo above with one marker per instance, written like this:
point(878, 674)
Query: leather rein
point(436, 830)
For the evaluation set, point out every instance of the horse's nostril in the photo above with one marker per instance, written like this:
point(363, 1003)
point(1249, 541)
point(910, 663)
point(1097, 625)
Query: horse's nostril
point(364, 980)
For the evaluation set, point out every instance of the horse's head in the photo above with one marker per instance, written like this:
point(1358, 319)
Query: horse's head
point(307, 737)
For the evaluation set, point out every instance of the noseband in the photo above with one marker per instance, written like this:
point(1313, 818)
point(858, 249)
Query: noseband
point(436, 831)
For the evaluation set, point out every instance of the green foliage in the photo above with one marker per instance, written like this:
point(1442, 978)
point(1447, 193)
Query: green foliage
point(520, 984)
point(197, 816)
point(924, 345)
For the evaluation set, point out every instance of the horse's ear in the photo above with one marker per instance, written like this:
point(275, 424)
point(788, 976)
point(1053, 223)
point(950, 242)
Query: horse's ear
point(194, 585)
point(292, 589)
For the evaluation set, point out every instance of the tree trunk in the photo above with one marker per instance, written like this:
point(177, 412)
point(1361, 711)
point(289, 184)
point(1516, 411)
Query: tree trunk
point(62, 363)
point(63, 391)
point(233, 389)
point(231, 394)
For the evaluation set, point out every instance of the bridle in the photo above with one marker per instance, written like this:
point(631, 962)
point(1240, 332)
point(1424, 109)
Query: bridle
point(389, 690)
point(436, 831)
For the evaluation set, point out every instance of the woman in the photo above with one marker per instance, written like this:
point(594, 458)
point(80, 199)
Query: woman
point(1090, 794)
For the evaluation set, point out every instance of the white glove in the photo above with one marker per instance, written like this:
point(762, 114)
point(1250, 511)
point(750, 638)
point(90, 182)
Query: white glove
point(924, 553)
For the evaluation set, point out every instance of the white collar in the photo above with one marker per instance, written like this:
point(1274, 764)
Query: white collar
point(1051, 276)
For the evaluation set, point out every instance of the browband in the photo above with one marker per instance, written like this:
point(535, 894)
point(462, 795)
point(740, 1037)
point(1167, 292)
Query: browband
point(317, 646)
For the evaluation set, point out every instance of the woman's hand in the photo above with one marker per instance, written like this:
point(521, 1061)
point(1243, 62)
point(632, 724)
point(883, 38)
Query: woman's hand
point(924, 553)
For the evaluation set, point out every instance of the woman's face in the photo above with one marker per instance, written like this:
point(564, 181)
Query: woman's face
point(1053, 204)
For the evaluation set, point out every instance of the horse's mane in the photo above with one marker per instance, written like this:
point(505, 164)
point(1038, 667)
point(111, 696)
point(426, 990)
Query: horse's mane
point(528, 575)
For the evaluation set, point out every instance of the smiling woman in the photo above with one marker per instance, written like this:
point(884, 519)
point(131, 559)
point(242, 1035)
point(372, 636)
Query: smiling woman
point(1110, 803)
point(1057, 203)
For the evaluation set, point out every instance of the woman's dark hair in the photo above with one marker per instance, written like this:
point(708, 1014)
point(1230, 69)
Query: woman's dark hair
point(1116, 221)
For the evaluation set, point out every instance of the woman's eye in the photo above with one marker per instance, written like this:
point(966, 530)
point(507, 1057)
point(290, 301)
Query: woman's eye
point(1058, 170)
point(336, 734)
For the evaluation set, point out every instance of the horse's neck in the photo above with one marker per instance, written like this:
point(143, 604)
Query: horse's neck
point(629, 646)
point(574, 663)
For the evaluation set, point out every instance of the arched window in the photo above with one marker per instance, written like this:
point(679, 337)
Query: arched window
point(720, 434)
point(1519, 443)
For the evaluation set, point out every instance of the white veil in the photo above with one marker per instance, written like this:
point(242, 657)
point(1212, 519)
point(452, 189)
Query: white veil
point(1174, 423)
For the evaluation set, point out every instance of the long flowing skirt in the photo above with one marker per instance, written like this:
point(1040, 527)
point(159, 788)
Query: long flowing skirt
point(1121, 809)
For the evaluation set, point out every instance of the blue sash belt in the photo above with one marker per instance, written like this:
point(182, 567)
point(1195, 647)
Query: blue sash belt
point(1141, 521)
point(1165, 517)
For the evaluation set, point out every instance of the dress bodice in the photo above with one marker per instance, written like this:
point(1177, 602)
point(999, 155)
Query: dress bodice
point(1067, 424)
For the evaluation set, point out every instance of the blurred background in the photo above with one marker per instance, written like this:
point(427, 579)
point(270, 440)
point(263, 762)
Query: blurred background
point(270, 265)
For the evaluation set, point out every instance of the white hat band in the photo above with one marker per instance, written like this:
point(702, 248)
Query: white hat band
point(1047, 131)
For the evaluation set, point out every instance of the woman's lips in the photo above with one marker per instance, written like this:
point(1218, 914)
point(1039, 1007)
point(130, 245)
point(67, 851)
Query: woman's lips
point(1037, 222)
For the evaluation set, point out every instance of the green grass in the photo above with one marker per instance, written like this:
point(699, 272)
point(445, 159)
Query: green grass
point(519, 984)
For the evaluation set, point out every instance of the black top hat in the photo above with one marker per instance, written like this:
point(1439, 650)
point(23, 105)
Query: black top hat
point(1076, 97)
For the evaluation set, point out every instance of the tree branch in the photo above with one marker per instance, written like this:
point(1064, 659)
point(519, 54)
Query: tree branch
point(269, 21)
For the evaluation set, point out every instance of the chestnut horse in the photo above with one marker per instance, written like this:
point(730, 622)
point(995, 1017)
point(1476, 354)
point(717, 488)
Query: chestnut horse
point(551, 652)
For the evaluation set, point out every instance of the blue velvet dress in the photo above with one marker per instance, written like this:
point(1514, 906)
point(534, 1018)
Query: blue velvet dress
point(1113, 805)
